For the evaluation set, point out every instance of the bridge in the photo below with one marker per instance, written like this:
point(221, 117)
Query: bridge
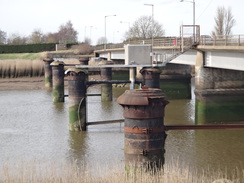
point(218, 64)
point(226, 52)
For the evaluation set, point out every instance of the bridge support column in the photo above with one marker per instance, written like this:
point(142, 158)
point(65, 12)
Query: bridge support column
point(106, 75)
point(151, 77)
point(48, 72)
point(219, 94)
point(77, 99)
point(175, 81)
point(58, 81)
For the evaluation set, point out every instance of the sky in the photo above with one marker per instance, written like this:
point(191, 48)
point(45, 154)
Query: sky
point(88, 16)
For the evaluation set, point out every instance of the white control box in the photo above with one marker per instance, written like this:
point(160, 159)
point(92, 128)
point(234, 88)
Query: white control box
point(138, 54)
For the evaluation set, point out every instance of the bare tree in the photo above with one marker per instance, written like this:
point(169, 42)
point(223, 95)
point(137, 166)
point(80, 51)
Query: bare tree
point(142, 28)
point(3, 37)
point(36, 37)
point(224, 22)
point(16, 39)
point(101, 40)
point(67, 33)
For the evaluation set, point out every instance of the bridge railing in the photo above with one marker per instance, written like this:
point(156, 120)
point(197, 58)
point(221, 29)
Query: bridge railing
point(223, 40)
point(158, 42)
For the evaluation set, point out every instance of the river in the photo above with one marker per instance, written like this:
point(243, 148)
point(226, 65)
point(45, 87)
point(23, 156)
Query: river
point(32, 127)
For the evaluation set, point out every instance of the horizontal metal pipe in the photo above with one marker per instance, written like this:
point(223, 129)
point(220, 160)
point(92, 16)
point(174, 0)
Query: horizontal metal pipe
point(108, 82)
point(90, 95)
point(205, 127)
point(105, 122)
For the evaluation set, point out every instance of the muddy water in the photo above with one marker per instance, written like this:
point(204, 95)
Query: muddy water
point(33, 128)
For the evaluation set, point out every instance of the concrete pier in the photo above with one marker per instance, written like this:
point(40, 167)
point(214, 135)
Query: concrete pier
point(219, 93)
point(58, 81)
point(48, 72)
point(77, 79)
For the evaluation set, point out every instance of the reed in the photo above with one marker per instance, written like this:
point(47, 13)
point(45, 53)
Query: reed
point(14, 68)
point(39, 172)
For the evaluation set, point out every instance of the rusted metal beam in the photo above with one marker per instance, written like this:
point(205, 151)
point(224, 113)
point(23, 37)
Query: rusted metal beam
point(205, 127)
point(105, 122)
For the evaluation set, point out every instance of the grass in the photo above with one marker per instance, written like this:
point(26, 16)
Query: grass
point(23, 56)
point(38, 172)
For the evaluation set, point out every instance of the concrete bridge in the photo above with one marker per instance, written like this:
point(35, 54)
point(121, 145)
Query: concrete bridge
point(218, 66)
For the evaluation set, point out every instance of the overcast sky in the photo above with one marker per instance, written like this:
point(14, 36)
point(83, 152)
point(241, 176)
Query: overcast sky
point(88, 16)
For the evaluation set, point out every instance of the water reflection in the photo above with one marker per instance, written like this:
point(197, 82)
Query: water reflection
point(33, 127)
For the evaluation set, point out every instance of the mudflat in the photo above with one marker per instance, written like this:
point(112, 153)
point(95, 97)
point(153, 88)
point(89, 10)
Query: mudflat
point(22, 83)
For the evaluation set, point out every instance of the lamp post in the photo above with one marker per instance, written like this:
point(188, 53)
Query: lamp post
point(152, 19)
point(194, 31)
point(105, 34)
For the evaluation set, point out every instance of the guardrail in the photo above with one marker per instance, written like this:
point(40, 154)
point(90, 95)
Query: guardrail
point(228, 40)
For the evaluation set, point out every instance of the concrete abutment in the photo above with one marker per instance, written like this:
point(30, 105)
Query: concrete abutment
point(219, 93)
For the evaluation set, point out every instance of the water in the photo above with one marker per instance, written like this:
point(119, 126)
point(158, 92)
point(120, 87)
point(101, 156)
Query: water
point(32, 127)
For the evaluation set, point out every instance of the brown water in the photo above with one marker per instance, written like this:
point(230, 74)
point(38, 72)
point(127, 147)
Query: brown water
point(32, 127)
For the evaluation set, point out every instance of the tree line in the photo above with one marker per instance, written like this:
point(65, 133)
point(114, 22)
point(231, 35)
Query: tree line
point(65, 34)
point(143, 28)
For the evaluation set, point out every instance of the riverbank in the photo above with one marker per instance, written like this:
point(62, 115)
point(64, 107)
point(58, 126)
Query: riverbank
point(22, 83)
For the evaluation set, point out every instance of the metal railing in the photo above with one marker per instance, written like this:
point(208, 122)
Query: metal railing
point(226, 40)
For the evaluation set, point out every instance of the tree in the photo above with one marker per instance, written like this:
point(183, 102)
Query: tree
point(224, 22)
point(101, 40)
point(142, 28)
point(67, 34)
point(16, 39)
point(36, 37)
point(3, 37)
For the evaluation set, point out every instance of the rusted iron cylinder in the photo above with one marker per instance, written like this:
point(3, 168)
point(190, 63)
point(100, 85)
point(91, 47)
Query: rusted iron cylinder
point(151, 77)
point(48, 72)
point(144, 127)
point(58, 81)
point(84, 60)
point(106, 75)
point(77, 99)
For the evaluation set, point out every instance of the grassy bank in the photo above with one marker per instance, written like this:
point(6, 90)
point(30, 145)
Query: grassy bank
point(23, 56)
point(39, 172)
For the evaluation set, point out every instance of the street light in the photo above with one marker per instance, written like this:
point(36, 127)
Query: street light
point(105, 29)
point(152, 19)
point(194, 31)
point(129, 28)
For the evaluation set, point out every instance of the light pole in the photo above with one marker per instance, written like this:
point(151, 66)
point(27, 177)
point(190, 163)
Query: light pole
point(194, 31)
point(105, 34)
point(152, 19)
point(129, 28)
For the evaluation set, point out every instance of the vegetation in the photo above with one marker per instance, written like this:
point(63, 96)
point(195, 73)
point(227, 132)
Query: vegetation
point(27, 48)
point(224, 22)
point(38, 172)
point(144, 28)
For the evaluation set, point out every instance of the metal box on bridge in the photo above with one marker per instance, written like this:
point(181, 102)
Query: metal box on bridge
point(138, 54)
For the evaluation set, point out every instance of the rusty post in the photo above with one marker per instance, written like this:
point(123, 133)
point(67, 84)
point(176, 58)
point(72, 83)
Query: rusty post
point(151, 77)
point(84, 60)
point(77, 79)
point(58, 81)
point(144, 127)
point(106, 75)
point(48, 72)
